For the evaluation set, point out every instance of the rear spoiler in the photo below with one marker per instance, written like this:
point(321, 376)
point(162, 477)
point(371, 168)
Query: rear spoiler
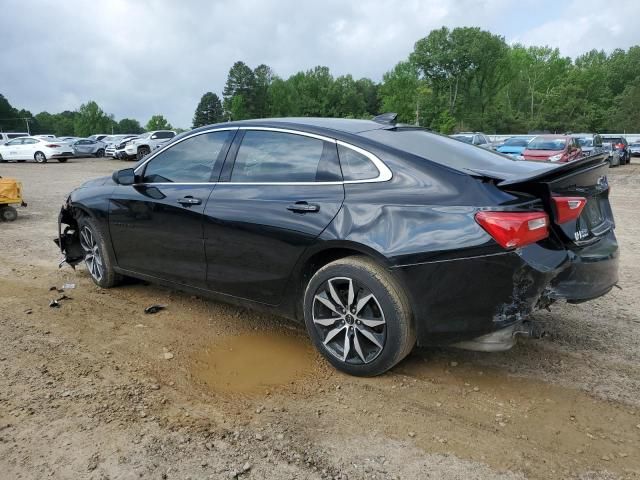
point(552, 171)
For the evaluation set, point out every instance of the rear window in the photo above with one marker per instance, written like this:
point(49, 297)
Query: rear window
point(585, 142)
point(439, 148)
point(464, 138)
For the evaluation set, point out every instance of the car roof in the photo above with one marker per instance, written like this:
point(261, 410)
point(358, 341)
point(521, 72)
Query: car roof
point(316, 124)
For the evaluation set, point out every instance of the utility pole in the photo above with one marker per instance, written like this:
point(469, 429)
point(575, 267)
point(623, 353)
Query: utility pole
point(26, 120)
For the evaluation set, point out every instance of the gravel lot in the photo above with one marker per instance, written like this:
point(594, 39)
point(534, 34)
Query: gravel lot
point(97, 389)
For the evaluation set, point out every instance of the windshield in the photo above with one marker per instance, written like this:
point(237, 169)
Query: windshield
point(547, 143)
point(463, 138)
point(517, 142)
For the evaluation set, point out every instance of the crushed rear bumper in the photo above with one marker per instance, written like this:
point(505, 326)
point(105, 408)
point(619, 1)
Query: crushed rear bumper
point(458, 300)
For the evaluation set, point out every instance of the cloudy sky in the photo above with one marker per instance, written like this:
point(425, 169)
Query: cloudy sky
point(137, 58)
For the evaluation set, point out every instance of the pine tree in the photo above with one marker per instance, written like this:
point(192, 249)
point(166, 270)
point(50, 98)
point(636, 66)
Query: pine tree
point(208, 111)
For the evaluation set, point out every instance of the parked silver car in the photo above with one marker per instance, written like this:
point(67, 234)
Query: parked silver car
point(88, 147)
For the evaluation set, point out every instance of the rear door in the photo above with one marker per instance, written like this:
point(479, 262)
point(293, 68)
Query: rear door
point(156, 224)
point(278, 192)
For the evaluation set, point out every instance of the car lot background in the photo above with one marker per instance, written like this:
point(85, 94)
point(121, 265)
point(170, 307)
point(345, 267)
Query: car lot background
point(97, 389)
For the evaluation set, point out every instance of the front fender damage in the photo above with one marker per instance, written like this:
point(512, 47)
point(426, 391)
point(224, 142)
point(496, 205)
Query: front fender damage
point(68, 239)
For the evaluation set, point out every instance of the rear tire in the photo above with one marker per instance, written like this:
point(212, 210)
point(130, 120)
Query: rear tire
point(40, 157)
point(358, 316)
point(8, 213)
point(98, 258)
point(100, 153)
point(2, 160)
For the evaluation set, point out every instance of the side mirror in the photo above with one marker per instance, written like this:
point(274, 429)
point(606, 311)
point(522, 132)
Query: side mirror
point(126, 176)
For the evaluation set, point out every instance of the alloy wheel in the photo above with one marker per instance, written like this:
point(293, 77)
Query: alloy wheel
point(349, 320)
point(40, 158)
point(92, 256)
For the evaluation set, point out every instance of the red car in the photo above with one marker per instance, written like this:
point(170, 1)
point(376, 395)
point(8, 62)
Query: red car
point(553, 148)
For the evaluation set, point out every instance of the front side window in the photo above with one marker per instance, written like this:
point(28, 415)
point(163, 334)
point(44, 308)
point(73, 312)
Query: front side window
point(190, 161)
point(17, 141)
point(355, 165)
point(266, 156)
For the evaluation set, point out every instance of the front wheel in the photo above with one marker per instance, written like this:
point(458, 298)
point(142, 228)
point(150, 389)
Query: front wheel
point(358, 317)
point(40, 157)
point(142, 152)
point(97, 257)
point(100, 153)
point(8, 213)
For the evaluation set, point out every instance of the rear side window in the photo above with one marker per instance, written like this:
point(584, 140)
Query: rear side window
point(191, 161)
point(266, 156)
point(355, 165)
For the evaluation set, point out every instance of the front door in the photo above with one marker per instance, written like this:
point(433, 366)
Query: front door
point(156, 224)
point(282, 192)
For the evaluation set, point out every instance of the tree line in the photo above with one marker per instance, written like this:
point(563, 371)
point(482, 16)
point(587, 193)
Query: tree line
point(454, 79)
point(89, 119)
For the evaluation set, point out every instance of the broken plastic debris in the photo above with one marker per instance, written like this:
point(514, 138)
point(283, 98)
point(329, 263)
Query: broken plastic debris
point(63, 297)
point(154, 308)
point(54, 304)
point(51, 289)
point(69, 286)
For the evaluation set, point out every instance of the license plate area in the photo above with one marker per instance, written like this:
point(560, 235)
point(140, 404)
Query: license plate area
point(592, 213)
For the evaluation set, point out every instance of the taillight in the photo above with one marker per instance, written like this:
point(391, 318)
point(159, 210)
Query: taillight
point(620, 146)
point(52, 145)
point(515, 229)
point(568, 208)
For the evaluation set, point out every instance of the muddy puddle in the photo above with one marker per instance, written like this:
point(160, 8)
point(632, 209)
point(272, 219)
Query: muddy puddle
point(253, 363)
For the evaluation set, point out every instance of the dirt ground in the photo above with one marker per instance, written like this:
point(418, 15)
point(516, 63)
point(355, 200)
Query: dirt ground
point(97, 389)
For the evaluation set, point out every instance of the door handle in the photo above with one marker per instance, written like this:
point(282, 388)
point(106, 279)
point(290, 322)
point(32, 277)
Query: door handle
point(188, 200)
point(304, 207)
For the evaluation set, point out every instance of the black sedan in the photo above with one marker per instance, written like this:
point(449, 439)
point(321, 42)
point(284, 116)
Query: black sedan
point(376, 235)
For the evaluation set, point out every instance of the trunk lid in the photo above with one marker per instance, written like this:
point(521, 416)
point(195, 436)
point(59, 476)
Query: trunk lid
point(586, 178)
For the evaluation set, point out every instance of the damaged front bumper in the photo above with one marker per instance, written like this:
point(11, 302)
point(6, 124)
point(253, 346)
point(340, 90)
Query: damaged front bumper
point(68, 239)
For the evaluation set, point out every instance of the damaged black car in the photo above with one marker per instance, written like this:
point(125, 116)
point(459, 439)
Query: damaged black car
point(376, 235)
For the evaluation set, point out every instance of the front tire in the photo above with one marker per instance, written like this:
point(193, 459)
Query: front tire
point(358, 316)
point(142, 152)
point(98, 257)
point(40, 157)
point(100, 153)
point(8, 213)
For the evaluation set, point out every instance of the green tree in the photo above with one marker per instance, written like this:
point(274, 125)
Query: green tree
point(91, 120)
point(158, 122)
point(208, 111)
point(241, 82)
point(129, 125)
point(399, 92)
point(263, 78)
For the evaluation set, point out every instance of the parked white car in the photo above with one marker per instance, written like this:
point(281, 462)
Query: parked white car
point(33, 148)
point(145, 144)
point(112, 142)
